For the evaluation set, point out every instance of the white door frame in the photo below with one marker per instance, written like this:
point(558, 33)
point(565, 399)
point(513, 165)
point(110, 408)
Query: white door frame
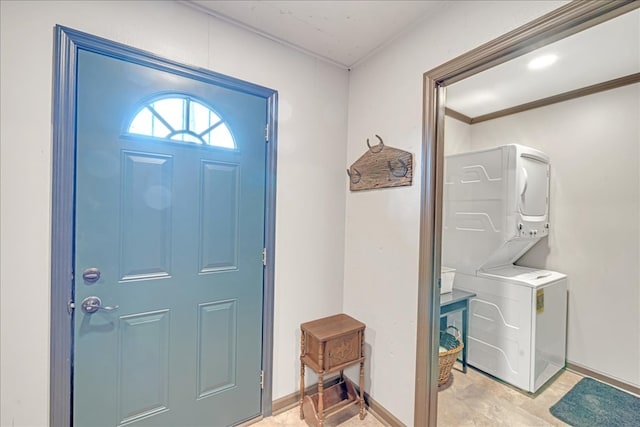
point(67, 43)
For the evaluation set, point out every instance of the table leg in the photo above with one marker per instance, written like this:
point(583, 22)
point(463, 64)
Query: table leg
point(465, 325)
point(361, 397)
point(321, 386)
point(301, 375)
point(320, 400)
point(362, 376)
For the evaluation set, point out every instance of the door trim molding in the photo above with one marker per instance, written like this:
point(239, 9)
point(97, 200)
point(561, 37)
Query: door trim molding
point(559, 23)
point(67, 42)
point(270, 245)
point(63, 157)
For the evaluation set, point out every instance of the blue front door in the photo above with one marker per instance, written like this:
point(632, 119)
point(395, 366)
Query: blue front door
point(169, 237)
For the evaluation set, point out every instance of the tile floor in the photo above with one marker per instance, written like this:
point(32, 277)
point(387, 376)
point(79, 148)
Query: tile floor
point(476, 399)
point(349, 418)
point(471, 399)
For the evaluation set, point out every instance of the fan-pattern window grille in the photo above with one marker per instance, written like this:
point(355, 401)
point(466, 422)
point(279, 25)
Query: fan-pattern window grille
point(184, 119)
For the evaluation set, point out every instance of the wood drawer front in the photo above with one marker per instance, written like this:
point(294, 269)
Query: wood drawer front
point(342, 350)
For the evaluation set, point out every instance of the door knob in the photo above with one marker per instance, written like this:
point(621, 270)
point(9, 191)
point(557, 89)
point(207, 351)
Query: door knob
point(93, 304)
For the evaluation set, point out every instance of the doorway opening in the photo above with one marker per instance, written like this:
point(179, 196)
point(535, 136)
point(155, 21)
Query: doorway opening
point(563, 22)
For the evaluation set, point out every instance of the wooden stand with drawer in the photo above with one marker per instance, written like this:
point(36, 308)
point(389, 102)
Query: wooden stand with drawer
point(329, 345)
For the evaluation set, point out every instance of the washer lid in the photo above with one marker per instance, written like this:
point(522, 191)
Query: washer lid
point(524, 276)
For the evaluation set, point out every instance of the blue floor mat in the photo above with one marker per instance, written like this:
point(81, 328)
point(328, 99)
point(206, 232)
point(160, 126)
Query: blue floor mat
point(591, 403)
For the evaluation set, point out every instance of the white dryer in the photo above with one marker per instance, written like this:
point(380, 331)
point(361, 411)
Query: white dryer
point(496, 207)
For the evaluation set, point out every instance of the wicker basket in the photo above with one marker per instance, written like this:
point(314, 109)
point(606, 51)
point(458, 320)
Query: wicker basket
point(453, 345)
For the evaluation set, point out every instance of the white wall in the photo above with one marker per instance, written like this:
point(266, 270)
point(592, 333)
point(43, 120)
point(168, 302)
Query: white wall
point(311, 192)
point(457, 136)
point(382, 226)
point(594, 146)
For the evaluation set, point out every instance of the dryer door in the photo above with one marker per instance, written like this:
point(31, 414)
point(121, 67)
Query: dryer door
point(534, 188)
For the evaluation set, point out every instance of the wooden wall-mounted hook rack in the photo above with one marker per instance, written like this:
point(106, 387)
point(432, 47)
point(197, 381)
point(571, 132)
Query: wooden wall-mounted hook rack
point(381, 166)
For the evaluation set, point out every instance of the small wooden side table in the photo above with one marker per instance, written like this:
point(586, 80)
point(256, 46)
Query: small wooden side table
point(329, 345)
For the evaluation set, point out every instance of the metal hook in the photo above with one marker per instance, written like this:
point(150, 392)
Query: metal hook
point(405, 169)
point(381, 144)
point(355, 178)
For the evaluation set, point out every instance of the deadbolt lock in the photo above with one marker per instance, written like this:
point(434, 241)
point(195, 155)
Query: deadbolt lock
point(91, 275)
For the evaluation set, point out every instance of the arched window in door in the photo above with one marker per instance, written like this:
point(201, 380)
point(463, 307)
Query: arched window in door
point(181, 118)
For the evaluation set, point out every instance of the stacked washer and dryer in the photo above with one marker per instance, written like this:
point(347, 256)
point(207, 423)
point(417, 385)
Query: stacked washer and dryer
point(496, 207)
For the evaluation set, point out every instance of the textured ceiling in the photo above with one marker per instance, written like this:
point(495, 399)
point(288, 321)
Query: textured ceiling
point(342, 32)
point(345, 33)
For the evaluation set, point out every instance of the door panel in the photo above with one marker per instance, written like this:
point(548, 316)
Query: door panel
point(146, 223)
point(143, 359)
point(218, 222)
point(176, 230)
point(217, 350)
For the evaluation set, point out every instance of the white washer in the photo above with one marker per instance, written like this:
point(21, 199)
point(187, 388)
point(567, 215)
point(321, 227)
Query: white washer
point(517, 323)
